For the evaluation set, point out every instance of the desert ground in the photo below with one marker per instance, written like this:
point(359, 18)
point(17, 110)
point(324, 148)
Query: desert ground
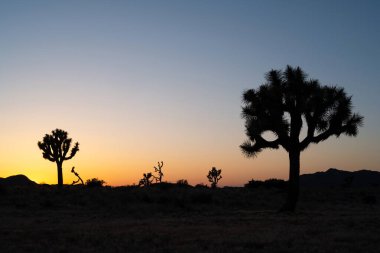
point(171, 218)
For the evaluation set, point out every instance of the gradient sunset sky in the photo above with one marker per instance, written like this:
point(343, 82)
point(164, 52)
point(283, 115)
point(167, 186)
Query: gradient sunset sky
point(136, 82)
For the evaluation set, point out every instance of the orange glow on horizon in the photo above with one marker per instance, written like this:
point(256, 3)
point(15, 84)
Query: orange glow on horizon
point(120, 154)
point(118, 167)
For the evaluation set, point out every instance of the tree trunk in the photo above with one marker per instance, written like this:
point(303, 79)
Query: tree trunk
point(293, 183)
point(60, 177)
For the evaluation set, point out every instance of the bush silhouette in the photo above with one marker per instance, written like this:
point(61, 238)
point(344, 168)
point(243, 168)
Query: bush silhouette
point(214, 176)
point(275, 183)
point(94, 182)
point(270, 183)
point(201, 185)
point(55, 148)
point(146, 180)
point(182, 182)
point(282, 106)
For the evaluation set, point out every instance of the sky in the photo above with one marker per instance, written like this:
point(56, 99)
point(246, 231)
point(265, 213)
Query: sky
point(137, 82)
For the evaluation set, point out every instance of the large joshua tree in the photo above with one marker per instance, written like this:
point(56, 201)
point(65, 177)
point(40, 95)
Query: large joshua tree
point(55, 148)
point(286, 102)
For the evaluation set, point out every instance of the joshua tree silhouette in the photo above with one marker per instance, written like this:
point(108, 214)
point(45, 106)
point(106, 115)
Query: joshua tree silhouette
point(282, 106)
point(55, 147)
point(214, 176)
point(146, 180)
point(158, 169)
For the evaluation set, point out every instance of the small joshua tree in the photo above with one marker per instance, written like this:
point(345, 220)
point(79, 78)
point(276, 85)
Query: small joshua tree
point(55, 148)
point(159, 171)
point(77, 175)
point(214, 176)
point(146, 180)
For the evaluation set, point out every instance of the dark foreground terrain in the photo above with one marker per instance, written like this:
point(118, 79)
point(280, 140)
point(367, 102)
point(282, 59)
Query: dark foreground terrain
point(185, 219)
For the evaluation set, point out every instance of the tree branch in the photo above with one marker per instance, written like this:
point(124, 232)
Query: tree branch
point(259, 143)
point(310, 132)
point(74, 150)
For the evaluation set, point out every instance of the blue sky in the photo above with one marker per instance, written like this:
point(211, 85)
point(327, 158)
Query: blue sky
point(139, 81)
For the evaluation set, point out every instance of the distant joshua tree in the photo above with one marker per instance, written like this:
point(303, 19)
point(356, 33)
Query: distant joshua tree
point(282, 106)
point(158, 169)
point(214, 176)
point(55, 148)
point(146, 180)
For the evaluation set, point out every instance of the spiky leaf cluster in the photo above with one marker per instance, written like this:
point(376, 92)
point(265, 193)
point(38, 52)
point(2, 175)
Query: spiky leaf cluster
point(158, 169)
point(288, 100)
point(56, 146)
point(214, 175)
point(146, 180)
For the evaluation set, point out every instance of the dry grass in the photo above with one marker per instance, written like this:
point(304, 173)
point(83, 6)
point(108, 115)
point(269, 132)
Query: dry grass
point(187, 220)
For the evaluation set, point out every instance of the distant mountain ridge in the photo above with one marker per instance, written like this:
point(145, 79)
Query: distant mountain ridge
point(334, 177)
point(17, 180)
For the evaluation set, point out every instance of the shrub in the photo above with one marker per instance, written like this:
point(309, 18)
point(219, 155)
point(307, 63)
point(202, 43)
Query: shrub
point(269, 183)
point(201, 185)
point(275, 183)
point(146, 180)
point(182, 182)
point(94, 182)
point(253, 184)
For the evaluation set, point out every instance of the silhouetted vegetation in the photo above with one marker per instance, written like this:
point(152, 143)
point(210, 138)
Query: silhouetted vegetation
point(158, 169)
point(214, 176)
point(282, 105)
point(146, 180)
point(55, 148)
point(270, 183)
point(201, 185)
point(182, 182)
point(77, 175)
point(94, 182)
